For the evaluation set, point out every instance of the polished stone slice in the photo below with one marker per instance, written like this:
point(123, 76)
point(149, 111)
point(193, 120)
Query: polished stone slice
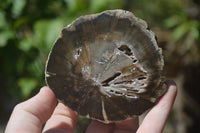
point(106, 66)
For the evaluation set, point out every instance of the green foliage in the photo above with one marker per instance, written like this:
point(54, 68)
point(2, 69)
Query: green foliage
point(182, 25)
point(185, 33)
point(6, 31)
point(27, 33)
point(27, 85)
point(190, 27)
point(100, 5)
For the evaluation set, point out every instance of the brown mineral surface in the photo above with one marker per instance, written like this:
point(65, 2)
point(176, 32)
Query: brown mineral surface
point(106, 66)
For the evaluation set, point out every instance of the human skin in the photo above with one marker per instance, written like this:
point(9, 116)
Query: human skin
point(31, 115)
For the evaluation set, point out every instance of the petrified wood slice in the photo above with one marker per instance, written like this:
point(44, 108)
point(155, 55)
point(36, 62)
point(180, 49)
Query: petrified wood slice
point(106, 66)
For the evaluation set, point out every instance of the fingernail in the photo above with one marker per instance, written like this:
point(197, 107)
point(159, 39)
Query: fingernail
point(169, 82)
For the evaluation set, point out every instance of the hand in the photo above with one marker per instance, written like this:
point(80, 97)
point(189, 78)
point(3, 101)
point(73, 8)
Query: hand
point(29, 116)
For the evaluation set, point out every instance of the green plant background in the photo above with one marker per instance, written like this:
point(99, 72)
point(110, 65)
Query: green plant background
point(28, 29)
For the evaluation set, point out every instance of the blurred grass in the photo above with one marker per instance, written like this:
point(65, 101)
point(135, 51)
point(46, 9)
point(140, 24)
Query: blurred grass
point(28, 29)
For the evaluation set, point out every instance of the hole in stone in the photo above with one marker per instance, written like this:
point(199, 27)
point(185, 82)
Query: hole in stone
point(125, 49)
point(134, 61)
point(148, 28)
point(128, 95)
point(111, 91)
point(131, 96)
point(124, 82)
point(156, 38)
point(142, 84)
point(106, 82)
point(78, 52)
point(118, 93)
point(141, 78)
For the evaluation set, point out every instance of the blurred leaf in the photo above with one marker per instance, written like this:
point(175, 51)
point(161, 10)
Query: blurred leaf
point(20, 65)
point(5, 31)
point(22, 20)
point(5, 3)
point(27, 85)
point(189, 26)
point(195, 29)
point(53, 31)
point(172, 21)
point(5, 36)
point(71, 4)
point(25, 44)
point(17, 8)
point(195, 33)
point(2, 19)
point(36, 67)
point(180, 31)
point(100, 5)
point(76, 5)
point(46, 32)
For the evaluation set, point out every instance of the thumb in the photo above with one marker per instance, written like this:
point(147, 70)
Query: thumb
point(29, 116)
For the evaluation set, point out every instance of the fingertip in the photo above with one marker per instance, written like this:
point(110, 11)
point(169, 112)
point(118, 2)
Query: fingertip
point(62, 118)
point(171, 87)
point(170, 83)
point(46, 91)
point(44, 88)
